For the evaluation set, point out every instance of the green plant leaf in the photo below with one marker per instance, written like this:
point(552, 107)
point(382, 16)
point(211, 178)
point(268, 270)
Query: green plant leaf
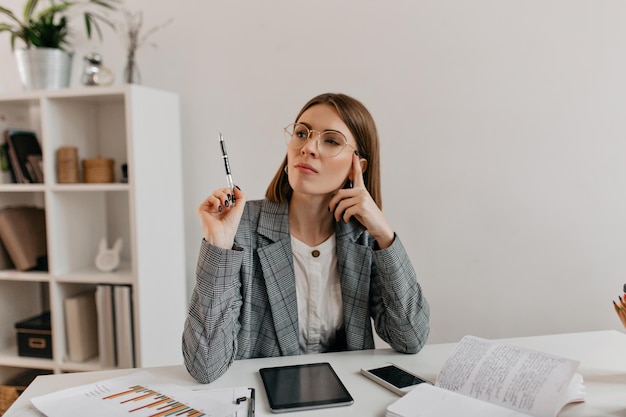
point(49, 26)
point(88, 26)
point(53, 10)
point(29, 8)
point(9, 14)
point(107, 4)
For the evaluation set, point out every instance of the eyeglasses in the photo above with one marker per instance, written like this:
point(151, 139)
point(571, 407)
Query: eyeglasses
point(330, 143)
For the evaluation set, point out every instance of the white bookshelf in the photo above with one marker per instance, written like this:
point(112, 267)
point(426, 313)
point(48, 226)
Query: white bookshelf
point(131, 124)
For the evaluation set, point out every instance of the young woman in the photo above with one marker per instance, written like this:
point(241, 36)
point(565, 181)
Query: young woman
point(309, 267)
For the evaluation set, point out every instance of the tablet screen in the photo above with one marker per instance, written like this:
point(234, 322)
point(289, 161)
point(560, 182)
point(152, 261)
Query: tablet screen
point(304, 387)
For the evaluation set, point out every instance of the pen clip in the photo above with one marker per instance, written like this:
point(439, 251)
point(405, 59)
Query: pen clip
point(223, 146)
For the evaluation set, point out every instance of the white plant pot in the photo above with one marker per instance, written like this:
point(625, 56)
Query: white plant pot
point(44, 68)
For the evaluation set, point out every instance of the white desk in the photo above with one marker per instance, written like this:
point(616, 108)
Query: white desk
point(602, 355)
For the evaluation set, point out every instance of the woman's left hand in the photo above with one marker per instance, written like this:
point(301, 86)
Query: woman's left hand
point(357, 202)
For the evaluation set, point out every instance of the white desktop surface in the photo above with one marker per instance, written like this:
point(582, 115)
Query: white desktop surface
point(602, 355)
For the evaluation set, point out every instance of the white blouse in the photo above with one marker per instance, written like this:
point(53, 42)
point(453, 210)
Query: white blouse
point(318, 291)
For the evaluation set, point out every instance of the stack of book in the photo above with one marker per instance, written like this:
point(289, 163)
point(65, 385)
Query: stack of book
point(24, 156)
point(100, 323)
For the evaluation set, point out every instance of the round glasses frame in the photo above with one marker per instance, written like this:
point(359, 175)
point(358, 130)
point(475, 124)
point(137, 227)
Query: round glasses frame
point(330, 143)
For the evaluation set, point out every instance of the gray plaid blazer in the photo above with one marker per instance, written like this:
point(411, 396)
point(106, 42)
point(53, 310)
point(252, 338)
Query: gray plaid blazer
point(244, 301)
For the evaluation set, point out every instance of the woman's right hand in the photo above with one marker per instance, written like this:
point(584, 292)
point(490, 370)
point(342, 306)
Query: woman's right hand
point(220, 218)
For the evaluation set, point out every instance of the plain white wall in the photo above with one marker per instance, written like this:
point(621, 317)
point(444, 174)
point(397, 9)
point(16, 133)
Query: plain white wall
point(502, 125)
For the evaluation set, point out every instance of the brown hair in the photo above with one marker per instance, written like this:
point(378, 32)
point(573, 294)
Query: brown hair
point(361, 124)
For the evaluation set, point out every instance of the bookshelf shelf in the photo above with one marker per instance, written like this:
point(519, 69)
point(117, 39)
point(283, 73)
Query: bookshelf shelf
point(122, 275)
point(23, 188)
point(9, 357)
point(90, 187)
point(131, 124)
point(31, 276)
point(86, 366)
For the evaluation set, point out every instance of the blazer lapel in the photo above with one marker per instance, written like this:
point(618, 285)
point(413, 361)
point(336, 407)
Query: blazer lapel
point(276, 261)
point(353, 264)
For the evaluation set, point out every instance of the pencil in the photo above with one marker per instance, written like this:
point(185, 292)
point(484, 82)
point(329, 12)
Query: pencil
point(622, 316)
point(621, 313)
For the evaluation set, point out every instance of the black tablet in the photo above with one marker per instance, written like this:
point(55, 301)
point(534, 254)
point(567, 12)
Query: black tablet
point(304, 387)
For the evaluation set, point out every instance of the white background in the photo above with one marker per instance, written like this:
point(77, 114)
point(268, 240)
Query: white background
point(502, 124)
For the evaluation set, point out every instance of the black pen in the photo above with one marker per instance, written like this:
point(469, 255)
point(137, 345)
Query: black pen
point(251, 404)
point(229, 178)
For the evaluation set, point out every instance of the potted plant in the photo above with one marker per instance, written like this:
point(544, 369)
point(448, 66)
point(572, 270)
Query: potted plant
point(46, 59)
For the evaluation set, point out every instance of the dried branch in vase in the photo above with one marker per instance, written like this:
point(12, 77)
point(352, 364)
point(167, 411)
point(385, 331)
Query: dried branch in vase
point(131, 30)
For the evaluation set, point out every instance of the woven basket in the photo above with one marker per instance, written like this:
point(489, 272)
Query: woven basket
point(67, 165)
point(11, 389)
point(98, 170)
point(8, 395)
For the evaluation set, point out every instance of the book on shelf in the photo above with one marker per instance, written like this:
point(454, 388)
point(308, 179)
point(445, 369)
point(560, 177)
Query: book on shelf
point(81, 326)
point(122, 300)
point(34, 164)
point(115, 326)
point(488, 378)
point(6, 165)
point(5, 259)
point(22, 145)
point(106, 325)
point(23, 233)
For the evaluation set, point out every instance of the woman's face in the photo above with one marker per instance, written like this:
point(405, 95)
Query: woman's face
point(310, 173)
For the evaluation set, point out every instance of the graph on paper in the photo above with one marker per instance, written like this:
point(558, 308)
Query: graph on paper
point(139, 399)
point(142, 395)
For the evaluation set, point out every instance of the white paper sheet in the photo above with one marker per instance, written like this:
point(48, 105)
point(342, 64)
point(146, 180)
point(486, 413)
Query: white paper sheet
point(141, 395)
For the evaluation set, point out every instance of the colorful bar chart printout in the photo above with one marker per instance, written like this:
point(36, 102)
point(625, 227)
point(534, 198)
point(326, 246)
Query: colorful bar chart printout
point(142, 395)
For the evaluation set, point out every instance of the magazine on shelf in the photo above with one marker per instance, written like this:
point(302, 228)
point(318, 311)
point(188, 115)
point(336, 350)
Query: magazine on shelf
point(25, 155)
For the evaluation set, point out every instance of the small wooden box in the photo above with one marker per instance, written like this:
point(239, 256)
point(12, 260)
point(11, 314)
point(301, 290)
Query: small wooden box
point(98, 170)
point(34, 336)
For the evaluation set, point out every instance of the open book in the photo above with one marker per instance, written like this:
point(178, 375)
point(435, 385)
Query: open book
point(488, 378)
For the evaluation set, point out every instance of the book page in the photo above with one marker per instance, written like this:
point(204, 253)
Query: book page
point(529, 381)
point(426, 400)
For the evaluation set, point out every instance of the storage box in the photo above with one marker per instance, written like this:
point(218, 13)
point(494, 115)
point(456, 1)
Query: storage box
point(34, 336)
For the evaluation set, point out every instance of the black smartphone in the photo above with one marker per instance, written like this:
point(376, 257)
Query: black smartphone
point(394, 378)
